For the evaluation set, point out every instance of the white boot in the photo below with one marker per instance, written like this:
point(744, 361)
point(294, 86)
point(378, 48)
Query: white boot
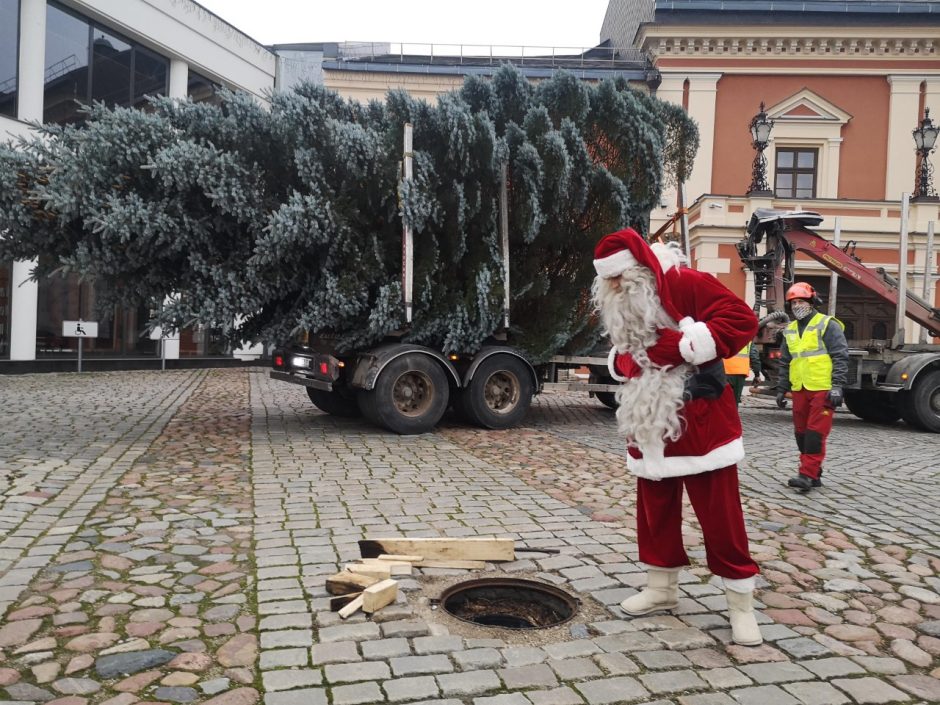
point(661, 593)
point(744, 629)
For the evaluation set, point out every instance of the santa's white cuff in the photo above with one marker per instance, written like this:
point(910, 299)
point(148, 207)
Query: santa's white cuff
point(612, 366)
point(696, 345)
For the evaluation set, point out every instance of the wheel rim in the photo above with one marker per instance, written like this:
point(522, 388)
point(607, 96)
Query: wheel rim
point(413, 393)
point(933, 402)
point(501, 392)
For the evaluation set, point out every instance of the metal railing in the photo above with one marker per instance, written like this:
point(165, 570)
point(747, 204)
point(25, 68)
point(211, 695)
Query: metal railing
point(490, 54)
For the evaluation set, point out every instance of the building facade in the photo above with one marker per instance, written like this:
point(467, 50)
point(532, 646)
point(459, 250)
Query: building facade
point(56, 55)
point(845, 84)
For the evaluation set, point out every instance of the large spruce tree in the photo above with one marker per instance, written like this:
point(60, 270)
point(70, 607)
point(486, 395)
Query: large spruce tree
point(268, 222)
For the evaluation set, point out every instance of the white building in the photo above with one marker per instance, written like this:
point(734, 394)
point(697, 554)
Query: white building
point(56, 55)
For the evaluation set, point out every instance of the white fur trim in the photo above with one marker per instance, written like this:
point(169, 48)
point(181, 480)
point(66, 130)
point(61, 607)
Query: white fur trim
point(697, 345)
point(668, 255)
point(614, 265)
point(612, 368)
point(743, 585)
point(656, 467)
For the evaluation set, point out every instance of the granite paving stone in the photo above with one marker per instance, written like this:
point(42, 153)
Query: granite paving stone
point(198, 513)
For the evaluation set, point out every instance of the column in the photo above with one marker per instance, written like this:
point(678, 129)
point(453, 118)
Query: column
point(670, 91)
point(902, 118)
point(703, 89)
point(24, 296)
point(179, 78)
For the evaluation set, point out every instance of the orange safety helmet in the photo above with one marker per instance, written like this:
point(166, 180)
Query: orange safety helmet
point(801, 290)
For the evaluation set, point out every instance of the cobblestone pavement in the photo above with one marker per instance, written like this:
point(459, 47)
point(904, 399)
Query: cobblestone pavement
point(166, 538)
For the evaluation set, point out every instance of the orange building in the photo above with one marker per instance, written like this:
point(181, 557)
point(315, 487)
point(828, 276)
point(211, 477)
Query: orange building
point(845, 84)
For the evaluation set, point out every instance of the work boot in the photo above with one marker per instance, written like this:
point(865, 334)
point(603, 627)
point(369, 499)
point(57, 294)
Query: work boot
point(818, 481)
point(744, 629)
point(661, 593)
point(804, 483)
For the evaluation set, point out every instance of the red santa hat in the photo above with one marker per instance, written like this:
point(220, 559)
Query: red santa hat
point(619, 251)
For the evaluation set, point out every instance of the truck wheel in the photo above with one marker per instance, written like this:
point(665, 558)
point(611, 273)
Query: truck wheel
point(877, 407)
point(409, 397)
point(920, 406)
point(500, 393)
point(608, 399)
point(335, 403)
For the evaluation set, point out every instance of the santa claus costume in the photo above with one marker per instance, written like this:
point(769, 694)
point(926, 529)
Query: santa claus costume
point(671, 327)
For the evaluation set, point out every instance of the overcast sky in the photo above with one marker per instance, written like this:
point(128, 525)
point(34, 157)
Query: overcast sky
point(548, 23)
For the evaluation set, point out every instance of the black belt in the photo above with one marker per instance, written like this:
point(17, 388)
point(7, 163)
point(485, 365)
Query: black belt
point(708, 383)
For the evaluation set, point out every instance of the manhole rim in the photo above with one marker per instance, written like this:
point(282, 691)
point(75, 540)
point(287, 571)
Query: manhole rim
point(572, 601)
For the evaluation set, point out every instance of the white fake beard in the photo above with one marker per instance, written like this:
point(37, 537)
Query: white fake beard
point(650, 406)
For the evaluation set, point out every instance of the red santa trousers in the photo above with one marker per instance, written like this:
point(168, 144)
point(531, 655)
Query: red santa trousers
point(717, 504)
point(812, 422)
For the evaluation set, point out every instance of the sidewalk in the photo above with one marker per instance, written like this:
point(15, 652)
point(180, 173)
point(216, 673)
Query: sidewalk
point(171, 535)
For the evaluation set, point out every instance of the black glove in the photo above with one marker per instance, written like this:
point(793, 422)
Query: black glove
point(782, 400)
point(835, 397)
point(758, 377)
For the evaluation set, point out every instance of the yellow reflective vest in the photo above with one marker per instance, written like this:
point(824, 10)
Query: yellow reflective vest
point(810, 364)
point(740, 364)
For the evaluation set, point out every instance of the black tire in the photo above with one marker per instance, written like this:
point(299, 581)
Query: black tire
point(920, 407)
point(500, 393)
point(336, 403)
point(608, 399)
point(877, 407)
point(409, 397)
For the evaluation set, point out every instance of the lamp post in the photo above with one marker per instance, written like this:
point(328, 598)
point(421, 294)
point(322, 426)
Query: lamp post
point(925, 137)
point(760, 127)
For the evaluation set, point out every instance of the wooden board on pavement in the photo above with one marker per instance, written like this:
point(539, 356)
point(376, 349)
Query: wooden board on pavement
point(377, 596)
point(346, 582)
point(476, 548)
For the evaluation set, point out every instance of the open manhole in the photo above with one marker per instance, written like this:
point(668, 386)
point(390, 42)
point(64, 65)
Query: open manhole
point(509, 603)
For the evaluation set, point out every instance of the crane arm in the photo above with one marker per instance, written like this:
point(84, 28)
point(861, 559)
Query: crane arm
point(774, 269)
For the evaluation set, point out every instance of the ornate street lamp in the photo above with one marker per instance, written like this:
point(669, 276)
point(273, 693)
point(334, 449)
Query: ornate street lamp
point(925, 137)
point(760, 126)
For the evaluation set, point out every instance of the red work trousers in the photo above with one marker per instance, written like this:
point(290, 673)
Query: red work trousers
point(717, 504)
point(812, 422)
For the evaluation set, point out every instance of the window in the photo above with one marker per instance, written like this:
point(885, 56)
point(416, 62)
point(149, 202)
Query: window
point(85, 63)
point(796, 173)
point(201, 89)
point(9, 55)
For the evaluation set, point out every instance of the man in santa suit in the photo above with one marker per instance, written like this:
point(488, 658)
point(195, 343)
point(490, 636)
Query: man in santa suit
point(671, 327)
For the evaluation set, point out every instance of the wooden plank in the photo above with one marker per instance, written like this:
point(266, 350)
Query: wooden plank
point(336, 603)
point(401, 557)
point(377, 596)
point(394, 567)
point(374, 570)
point(351, 607)
point(465, 565)
point(346, 582)
point(474, 548)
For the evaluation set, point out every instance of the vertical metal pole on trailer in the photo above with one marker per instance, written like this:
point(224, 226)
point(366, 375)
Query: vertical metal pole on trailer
point(927, 291)
point(902, 274)
point(684, 223)
point(504, 228)
point(408, 242)
point(834, 278)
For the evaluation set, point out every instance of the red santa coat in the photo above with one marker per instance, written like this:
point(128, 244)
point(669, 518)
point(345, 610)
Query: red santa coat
point(716, 325)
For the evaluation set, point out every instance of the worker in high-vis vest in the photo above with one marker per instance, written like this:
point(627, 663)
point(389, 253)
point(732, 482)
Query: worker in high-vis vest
point(737, 369)
point(814, 360)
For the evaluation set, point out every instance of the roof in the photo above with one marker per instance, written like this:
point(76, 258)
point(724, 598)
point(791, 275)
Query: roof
point(811, 12)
